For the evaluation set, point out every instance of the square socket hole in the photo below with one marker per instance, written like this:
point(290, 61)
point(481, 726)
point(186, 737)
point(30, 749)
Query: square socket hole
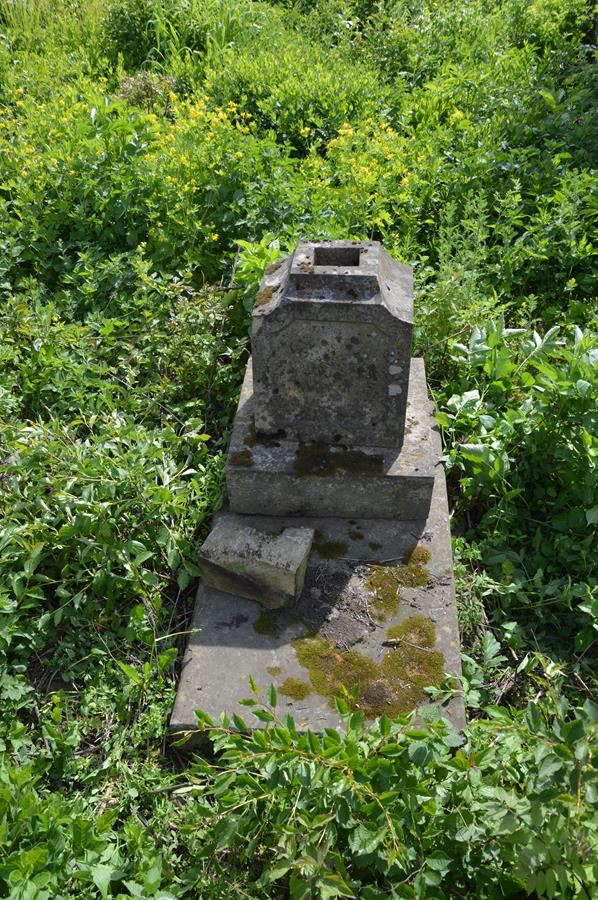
point(337, 256)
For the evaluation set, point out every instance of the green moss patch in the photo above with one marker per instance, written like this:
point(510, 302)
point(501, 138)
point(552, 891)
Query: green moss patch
point(414, 667)
point(266, 624)
point(323, 460)
point(414, 573)
point(415, 630)
point(328, 549)
point(382, 585)
point(265, 295)
point(295, 688)
point(393, 686)
point(273, 670)
point(329, 668)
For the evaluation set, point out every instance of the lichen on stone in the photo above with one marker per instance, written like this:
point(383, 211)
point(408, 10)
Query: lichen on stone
point(323, 460)
point(250, 438)
point(295, 688)
point(273, 670)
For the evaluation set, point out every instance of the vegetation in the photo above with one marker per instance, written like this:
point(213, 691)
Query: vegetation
point(155, 156)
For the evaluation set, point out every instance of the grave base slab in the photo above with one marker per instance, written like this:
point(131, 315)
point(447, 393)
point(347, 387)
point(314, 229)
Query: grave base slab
point(357, 625)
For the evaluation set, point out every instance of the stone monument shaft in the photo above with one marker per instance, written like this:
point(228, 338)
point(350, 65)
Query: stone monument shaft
point(332, 345)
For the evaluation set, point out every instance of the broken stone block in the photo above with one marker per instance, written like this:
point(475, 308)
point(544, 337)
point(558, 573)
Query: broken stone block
point(331, 341)
point(254, 564)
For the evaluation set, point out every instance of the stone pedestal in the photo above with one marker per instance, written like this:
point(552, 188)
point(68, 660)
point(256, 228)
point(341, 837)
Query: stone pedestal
point(272, 475)
point(335, 438)
point(331, 345)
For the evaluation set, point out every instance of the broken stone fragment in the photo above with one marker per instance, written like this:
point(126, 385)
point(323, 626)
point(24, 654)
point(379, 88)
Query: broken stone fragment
point(249, 563)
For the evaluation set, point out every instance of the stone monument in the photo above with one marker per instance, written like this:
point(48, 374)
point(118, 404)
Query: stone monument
point(332, 566)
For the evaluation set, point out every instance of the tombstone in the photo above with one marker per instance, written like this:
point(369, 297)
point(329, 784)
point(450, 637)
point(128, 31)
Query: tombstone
point(330, 420)
point(334, 440)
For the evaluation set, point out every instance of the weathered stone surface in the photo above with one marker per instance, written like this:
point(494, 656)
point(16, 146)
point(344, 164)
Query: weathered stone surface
point(331, 345)
point(260, 565)
point(340, 604)
point(278, 476)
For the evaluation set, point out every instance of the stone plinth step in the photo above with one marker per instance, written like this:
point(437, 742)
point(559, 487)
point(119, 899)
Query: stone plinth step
point(377, 608)
point(276, 476)
point(267, 566)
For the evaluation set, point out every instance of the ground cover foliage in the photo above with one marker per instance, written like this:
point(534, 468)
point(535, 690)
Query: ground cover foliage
point(154, 156)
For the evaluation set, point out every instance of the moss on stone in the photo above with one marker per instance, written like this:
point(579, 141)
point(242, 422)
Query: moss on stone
point(356, 535)
point(324, 460)
point(328, 549)
point(265, 294)
point(266, 624)
point(252, 437)
point(383, 587)
point(273, 670)
point(413, 660)
point(393, 686)
point(374, 545)
point(415, 630)
point(295, 688)
point(330, 668)
point(241, 458)
point(414, 572)
point(414, 667)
